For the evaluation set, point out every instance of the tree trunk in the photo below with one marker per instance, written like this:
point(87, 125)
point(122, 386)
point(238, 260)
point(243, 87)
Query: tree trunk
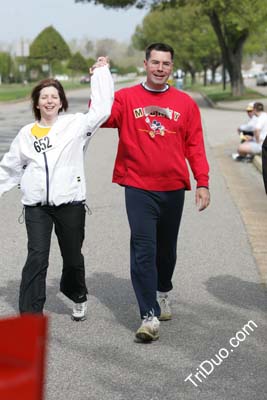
point(205, 76)
point(234, 69)
point(189, 68)
point(232, 51)
point(213, 67)
point(193, 76)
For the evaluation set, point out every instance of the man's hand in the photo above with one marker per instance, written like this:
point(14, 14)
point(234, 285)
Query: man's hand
point(101, 62)
point(202, 198)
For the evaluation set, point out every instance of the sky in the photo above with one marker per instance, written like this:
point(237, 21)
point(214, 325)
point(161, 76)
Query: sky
point(25, 19)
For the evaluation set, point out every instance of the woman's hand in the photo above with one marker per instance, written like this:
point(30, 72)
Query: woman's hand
point(101, 62)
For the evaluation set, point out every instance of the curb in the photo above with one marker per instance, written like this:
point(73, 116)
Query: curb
point(257, 161)
point(221, 105)
point(208, 100)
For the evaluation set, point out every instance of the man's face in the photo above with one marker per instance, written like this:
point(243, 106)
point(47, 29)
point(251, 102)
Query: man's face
point(158, 69)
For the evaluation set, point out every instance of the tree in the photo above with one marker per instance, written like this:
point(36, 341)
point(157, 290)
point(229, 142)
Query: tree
point(120, 53)
point(49, 46)
point(232, 20)
point(89, 47)
point(83, 45)
point(192, 38)
point(78, 63)
point(5, 66)
point(257, 43)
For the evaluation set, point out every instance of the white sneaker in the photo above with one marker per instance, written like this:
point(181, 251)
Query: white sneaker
point(237, 157)
point(79, 311)
point(165, 309)
point(149, 329)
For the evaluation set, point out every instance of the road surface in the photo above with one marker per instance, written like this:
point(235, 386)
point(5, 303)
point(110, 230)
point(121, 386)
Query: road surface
point(215, 346)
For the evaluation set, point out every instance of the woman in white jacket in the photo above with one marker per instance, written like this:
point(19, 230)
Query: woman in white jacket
point(46, 159)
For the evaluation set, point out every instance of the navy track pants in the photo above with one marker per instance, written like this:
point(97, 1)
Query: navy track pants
point(154, 218)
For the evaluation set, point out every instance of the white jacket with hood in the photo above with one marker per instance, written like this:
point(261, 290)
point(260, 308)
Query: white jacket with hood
point(50, 170)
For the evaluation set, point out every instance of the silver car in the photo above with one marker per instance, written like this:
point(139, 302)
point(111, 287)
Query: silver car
point(261, 79)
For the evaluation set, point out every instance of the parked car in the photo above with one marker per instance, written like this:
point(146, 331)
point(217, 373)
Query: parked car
point(261, 79)
point(62, 77)
point(85, 79)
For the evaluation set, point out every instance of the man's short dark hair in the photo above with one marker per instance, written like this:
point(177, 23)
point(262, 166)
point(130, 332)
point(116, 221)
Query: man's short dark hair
point(159, 47)
point(258, 106)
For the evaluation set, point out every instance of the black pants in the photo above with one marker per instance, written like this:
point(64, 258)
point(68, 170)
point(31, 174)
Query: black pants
point(264, 163)
point(69, 222)
point(154, 219)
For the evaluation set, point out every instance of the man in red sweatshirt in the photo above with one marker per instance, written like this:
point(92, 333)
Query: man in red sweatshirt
point(159, 129)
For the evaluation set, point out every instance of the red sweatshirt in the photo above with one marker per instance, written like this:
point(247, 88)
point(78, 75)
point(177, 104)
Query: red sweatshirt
point(158, 131)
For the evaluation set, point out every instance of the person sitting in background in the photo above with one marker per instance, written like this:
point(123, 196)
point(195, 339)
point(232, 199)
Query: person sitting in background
point(246, 131)
point(249, 148)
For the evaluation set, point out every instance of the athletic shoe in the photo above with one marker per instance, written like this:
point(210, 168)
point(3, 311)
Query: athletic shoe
point(79, 311)
point(149, 329)
point(237, 157)
point(165, 309)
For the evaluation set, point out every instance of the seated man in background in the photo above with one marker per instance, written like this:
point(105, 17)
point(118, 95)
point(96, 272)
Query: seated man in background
point(249, 148)
point(246, 131)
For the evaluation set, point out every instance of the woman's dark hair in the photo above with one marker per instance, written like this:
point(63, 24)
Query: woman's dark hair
point(36, 94)
point(159, 47)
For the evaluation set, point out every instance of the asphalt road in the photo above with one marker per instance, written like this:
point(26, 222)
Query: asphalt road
point(251, 82)
point(218, 284)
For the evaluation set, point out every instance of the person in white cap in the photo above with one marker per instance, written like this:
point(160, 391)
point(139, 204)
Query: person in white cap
point(249, 149)
point(246, 131)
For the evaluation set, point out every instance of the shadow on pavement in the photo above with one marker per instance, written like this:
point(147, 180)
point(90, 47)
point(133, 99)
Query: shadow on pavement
point(10, 294)
point(117, 295)
point(235, 291)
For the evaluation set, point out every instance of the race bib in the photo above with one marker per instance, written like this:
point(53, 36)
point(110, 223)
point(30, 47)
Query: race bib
point(43, 144)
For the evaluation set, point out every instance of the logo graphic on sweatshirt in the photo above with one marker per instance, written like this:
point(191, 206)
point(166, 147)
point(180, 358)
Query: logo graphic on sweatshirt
point(155, 126)
point(156, 111)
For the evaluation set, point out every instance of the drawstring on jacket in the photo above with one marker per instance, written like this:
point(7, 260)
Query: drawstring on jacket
point(21, 217)
point(88, 209)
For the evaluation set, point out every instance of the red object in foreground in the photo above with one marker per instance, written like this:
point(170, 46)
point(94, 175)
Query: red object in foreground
point(22, 357)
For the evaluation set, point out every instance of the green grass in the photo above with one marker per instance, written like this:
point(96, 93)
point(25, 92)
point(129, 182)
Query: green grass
point(14, 92)
point(216, 93)
point(17, 91)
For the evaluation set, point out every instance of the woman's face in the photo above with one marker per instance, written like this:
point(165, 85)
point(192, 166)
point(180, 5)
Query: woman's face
point(49, 103)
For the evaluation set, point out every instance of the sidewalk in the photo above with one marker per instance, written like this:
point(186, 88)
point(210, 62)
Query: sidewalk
point(242, 180)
